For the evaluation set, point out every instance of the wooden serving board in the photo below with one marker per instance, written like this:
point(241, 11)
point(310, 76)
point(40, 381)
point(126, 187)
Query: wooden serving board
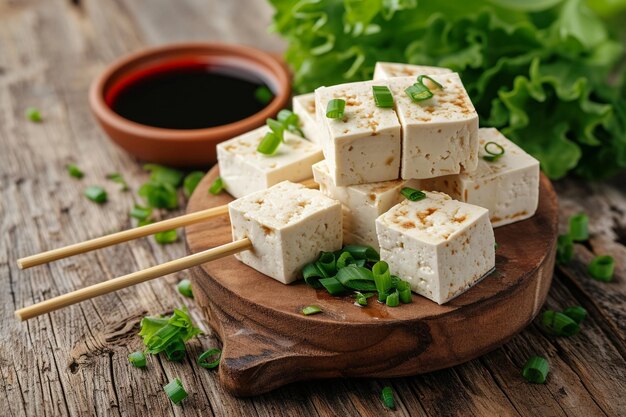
point(267, 342)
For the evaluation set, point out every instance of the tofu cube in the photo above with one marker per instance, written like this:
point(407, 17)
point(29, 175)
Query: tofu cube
point(304, 106)
point(439, 135)
point(507, 187)
point(384, 70)
point(439, 245)
point(244, 170)
point(362, 204)
point(364, 145)
point(288, 225)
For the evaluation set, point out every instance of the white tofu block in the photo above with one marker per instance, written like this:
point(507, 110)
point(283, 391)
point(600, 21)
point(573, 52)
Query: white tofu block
point(439, 135)
point(362, 204)
point(507, 187)
point(439, 245)
point(288, 225)
point(363, 146)
point(304, 106)
point(384, 70)
point(244, 170)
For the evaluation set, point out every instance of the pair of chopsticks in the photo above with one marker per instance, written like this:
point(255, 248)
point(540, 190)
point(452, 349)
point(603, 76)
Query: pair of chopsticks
point(135, 277)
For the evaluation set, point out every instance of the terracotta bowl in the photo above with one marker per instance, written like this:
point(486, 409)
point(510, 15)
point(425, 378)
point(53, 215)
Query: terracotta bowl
point(185, 148)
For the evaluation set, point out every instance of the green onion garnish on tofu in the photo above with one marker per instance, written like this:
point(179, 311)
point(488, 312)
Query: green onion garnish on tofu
point(602, 268)
point(277, 127)
point(287, 117)
point(96, 194)
point(335, 108)
point(420, 79)
point(564, 249)
point(387, 396)
point(559, 324)
point(382, 96)
point(418, 92)
point(205, 361)
point(137, 359)
point(74, 171)
point(168, 236)
point(175, 391)
point(494, 152)
point(413, 194)
point(191, 181)
point(579, 227)
point(269, 144)
point(263, 94)
point(536, 370)
point(309, 310)
point(33, 114)
point(117, 177)
point(184, 287)
point(576, 313)
point(217, 186)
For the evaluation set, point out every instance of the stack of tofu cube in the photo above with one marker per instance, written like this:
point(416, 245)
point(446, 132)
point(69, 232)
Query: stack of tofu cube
point(441, 244)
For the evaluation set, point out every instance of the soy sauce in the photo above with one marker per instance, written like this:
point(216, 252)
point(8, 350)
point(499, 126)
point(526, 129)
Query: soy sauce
point(187, 95)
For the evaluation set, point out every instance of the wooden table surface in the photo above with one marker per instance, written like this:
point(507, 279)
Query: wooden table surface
point(73, 362)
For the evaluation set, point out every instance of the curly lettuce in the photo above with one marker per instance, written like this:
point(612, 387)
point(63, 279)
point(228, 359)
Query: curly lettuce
point(545, 72)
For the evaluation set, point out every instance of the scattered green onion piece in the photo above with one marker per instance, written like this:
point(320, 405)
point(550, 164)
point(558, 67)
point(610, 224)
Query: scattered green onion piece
point(175, 391)
point(536, 370)
point(418, 92)
point(309, 310)
point(404, 290)
point(203, 359)
point(159, 195)
point(168, 236)
point(559, 324)
point(344, 260)
point(175, 351)
point(493, 156)
point(393, 299)
point(382, 96)
point(387, 396)
point(360, 262)
point(137, 359)
point(140, 213)
point(288, 118)
point(277, 127)
point(74, 171)
point(420, 80)
point(602, 268)
point(268, 144)
point(579, 227)
point(362, 252)
point(413, 194)
point(382, 279)
point(295, 129)
point(564, 249)
point(33, 114)
point(96, 194)
point(332, 285)
point(117, 177)
point(158, 332)
point(576, 313)
point(312, 274)
point(191, 181)
point(361, 298)
point(263, 94)
point(144, 222)
point(335, 108)
point(356, 278)
point(184, 287)
point(164, 175)
point(327, 263)
point(217, 186)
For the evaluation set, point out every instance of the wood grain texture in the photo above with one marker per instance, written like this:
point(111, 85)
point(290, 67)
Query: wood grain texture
point(73, 363)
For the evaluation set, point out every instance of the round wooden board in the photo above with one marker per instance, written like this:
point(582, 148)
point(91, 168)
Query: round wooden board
point(269, 343)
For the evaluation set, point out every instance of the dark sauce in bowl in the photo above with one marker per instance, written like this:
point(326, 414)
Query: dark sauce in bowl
point(187, 95)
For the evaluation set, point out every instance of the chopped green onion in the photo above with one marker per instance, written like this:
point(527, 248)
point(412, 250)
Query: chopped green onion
point(191, 181)
point(117, 177)
point(536, 370)
point(602, 268)
point(175, 391)
point(295, 129)
point(335, 108)
point(382, 279)
point(493, 155)
point(418, 92)
point(203, 360)
point(137, 359)
point(344, 260)
point(327, 263)
point(263, 94)
point(164, 175)
point(356, 278)
point(277, 127)
point(564, 249)
point(332, 285)
point(175, 350)
point(559, 324)
point(140, 213)
point(33, 114)
point(413, 194)
point(159, 195)
point(168, 236)
point(420, 80)
point(158, 332)
point(96, 194)
point(288, 118)
point(361, 298)
point(382, 96)
point(308, 310)
point(362, 252)
point(393, 299)
point(579, 227)
point(576, 313)
point(387, 396)
point(144, 222)
point(74, 171)
point(184, 287)
point(217, 186)
point(269, 144)
point(312, 274)
point(404, 290)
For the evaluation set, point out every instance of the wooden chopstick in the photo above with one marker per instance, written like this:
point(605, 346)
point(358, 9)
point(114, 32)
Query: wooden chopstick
point(126, 235)
point(132, 279)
